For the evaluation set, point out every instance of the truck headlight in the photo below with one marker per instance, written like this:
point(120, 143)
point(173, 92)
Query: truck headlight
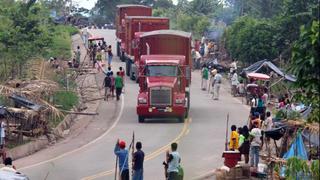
point(142, 100)
point(179, 101)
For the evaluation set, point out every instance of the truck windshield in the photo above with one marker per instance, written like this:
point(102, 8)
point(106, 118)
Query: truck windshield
point(161, 70)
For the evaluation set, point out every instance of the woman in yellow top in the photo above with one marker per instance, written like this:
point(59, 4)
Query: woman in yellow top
point(234, 139)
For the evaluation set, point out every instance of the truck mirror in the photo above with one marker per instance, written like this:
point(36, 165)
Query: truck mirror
point(188, 73)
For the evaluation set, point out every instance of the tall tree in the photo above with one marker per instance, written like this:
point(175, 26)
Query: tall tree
point(305, 65)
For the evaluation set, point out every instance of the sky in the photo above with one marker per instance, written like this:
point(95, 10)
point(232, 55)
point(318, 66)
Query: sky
point(90, 3)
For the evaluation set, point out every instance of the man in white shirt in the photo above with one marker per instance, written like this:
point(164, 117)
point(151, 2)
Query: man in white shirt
point(216, 85)
point(173, 163)
point(234, 83)
point(255, 145)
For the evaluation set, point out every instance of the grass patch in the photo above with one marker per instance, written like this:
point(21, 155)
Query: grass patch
point(66, 99)
point(60, 46)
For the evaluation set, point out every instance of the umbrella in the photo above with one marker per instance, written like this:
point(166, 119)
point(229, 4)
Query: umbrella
point(258, 76)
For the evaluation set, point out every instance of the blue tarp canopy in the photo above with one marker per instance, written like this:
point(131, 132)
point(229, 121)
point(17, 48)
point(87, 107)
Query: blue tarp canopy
point(264, 66)
point(297, 149)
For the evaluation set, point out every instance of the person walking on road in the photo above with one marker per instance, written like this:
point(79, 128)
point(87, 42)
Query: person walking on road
point(122, 73)
point(216, 85)
point(205, 77)
point(123, 155)
point(255, 145)
point(138, 158)
point(107, 86)
point(118, 85)
point(110, 55)
point(173, 162)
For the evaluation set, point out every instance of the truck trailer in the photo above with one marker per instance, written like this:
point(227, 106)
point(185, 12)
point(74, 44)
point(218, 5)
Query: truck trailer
point(163, 60)
point(127, 10)
point(135, 24)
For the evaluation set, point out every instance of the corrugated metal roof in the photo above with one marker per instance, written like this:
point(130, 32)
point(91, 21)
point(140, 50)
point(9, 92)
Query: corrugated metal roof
point(167, 32)
point(131, 5)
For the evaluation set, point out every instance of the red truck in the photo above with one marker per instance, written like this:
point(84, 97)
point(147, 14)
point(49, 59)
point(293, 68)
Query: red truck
point(134, 24)
point(164, 65)
point(127, 10)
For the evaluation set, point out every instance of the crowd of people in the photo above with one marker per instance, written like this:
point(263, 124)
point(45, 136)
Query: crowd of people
point(250, 140)
point(111, 83)
point(173, 169)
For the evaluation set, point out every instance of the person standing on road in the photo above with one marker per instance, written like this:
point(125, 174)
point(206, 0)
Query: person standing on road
point(212, 74)
point(234, 139)
point(112, 84)
point(216, 85)
point(138, 158)
point(255, 145)
point(123, 155)
point(173, 161)
point(110, 55)
point(107, 86)
point(205, 77)
point(99, 60)
point(122, 74)
point(234, 83)
point(118, 85)
point(244, 144)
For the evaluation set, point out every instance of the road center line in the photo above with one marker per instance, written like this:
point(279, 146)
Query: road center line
point(84, 146)
point(150, 156)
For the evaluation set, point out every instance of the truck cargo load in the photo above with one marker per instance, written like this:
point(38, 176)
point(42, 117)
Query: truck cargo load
point(128, 10)
point(136, 24)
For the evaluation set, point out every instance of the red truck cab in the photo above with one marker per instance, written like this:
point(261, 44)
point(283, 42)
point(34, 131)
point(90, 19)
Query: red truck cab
point(164, 72)
point(128, 10)
point(136, 24)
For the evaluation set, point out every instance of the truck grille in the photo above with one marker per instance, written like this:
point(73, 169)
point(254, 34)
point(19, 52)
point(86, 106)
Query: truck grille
point(160, 96)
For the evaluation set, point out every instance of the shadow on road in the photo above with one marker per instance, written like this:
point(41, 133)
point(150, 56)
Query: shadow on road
point(161, 120)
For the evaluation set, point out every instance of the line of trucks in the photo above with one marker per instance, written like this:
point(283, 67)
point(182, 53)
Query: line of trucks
point(158, 59)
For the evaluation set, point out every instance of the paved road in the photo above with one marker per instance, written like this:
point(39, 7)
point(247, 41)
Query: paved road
point(201, 138)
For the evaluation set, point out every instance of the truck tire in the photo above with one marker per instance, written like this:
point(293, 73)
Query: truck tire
point(132, 76)
point(188, 105)
point(118, 49)
point(123, 57)
point(127, 67)
point(141, 119)
point(181, 119)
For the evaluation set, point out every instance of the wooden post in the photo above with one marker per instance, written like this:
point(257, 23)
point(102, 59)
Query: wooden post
point(227, 128)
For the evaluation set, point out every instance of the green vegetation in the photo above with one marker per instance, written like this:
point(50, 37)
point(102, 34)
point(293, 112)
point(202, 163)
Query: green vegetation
point(66, 99)
point(305, 65)
point(61, 42)
point(27, 32)
point(297, 167)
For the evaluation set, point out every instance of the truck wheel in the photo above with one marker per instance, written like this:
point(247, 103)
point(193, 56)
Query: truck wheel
point(181, 119)
point(188, 105)
point(141, 119)
point(132, 76)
